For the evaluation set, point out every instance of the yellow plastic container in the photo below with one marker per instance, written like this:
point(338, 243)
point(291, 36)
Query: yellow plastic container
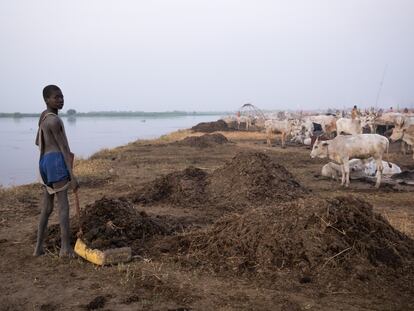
point(101, 258)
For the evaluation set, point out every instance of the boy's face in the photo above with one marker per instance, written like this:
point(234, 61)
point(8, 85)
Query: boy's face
point(55, 100)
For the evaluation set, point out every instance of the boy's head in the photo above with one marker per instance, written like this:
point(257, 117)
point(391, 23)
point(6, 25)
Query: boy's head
point(53, 96)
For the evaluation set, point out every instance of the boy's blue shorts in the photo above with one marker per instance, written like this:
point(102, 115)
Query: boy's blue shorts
point(53, 168)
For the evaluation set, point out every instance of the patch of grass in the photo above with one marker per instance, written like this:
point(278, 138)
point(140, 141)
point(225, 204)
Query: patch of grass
point(177, 135)
point(158, 280)
point(21, 194)
point(93, 171)
point(401, 221)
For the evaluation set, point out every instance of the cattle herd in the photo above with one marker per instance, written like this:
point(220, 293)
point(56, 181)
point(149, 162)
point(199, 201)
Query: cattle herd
point(356, 145)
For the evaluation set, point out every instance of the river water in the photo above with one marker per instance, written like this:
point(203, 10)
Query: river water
point(86, 135)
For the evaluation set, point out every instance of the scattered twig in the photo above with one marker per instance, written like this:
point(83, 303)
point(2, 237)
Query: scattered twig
point(330, 226)
point(331, 258)
point(49, 253)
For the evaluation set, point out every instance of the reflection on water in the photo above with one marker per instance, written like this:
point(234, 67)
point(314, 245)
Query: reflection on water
point(71, 119)
point(19, 155)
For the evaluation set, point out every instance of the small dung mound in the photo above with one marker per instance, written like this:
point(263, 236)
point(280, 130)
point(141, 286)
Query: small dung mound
point(112, 223)
point(315, 237)
point(204, 141)
point(253, 177)
point(209, 127)
point(184, 188)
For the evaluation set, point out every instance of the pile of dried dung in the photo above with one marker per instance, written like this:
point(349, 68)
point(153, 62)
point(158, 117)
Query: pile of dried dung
point(249, 179)
point(204, 141)
point(312, 237)
point(185, 188)
point(253, 178)
point(209, 127)
point(111, 223)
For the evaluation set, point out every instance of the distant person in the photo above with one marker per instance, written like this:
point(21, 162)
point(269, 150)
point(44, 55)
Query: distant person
point(405, 110)
point(391, 109)
point(55, 167)
point(354, 112)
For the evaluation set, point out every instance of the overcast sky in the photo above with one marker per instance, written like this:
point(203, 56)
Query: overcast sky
point(205, 55)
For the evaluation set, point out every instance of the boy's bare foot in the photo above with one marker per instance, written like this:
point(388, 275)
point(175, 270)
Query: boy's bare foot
point(67, 253)
point(38, 252)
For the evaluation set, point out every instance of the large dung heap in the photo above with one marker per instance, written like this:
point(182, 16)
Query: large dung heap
point(249, 179)
point(253, 178)
point(204, 141)
point(209, 127)
point(184, 188)
point(338, 238)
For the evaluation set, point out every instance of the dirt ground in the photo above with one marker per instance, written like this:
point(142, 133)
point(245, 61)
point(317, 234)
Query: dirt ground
point(226, 224)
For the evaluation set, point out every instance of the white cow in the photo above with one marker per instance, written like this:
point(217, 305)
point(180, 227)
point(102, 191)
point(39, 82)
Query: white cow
point(245, 119)
point(275, 126)
point(348, 126)
point(404, 121)
point(406, 134)
point(359, 168)
point(370, 168)
point(328, 123)
point(389, 118)
point(342, 148)
point(334, 171)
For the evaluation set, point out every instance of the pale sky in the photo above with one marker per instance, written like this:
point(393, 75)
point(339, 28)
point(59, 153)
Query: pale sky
point(159, 55)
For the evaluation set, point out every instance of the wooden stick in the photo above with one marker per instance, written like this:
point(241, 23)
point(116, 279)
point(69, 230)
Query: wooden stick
point(77, 210)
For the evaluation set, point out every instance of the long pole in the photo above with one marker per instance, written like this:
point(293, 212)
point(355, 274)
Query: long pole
point(380, 87)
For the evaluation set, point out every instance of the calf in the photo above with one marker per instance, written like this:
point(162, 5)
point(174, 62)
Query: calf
point(342, 148)
point(359, 168)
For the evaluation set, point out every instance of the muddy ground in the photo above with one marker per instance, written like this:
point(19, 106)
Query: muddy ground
point(221, 224)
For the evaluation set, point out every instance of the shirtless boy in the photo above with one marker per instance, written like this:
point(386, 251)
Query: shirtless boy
point(55, 167)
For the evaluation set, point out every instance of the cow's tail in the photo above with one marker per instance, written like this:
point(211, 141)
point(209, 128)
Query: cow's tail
point(388, 157)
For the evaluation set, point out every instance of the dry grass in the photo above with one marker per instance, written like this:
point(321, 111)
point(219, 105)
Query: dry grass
point(177, 135)
point(158, 280)
point(241, 135)
point(235, 135)
point(20, 194)
point(93, 171)
point(401, 221)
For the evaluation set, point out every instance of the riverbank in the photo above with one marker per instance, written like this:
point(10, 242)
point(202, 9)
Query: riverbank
point(165, 274)
point(86, 135)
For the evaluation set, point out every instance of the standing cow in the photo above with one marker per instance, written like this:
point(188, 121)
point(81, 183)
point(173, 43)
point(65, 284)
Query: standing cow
point(342, 148)
point(244, 119)
point(348, 126)
point(275, 126)
point(328, 123)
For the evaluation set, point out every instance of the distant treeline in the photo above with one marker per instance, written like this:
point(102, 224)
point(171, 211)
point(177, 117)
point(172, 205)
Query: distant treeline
point(74, 113)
